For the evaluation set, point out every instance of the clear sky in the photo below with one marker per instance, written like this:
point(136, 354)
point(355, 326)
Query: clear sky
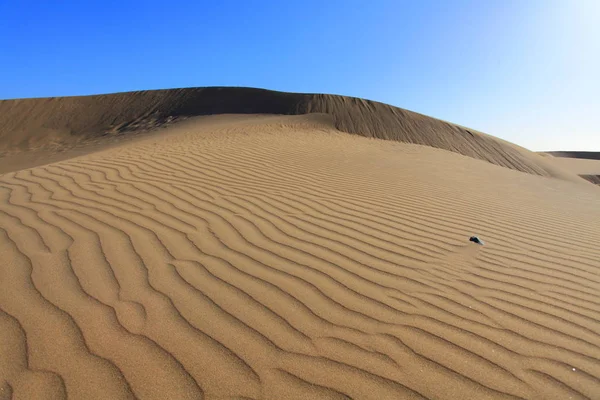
point(527, 71)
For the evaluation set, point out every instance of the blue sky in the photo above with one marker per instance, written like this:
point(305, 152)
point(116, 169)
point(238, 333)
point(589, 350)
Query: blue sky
point(527, 71)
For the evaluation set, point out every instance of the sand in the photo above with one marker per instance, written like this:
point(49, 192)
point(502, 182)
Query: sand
point(585, 164)
point(277, 257)
point(63, 123)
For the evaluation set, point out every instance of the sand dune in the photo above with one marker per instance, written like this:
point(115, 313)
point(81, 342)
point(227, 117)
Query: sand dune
point(585, 164)
point(275, 257)
point(585, 155)
point(62, 123)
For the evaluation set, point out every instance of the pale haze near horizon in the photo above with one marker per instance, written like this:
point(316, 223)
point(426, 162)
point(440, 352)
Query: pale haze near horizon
point(525, 71)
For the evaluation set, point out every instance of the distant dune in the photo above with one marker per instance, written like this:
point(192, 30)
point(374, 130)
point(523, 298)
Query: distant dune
point(38, 123)
point(585, 164)
point(276, 257)
point(586, 155)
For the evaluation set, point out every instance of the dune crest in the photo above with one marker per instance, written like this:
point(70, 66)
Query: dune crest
point(585, 155)
point(38, 123)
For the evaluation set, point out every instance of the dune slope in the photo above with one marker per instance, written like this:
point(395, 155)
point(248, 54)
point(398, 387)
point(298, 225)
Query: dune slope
point(57, 122)
point(277, 258)
point(585, 164)
point(595, 179)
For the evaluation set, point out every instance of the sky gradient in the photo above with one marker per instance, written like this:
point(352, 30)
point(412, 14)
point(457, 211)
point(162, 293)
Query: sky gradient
point(525, 71)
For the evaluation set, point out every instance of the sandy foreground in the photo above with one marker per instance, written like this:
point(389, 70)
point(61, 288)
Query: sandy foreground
point(272, 257)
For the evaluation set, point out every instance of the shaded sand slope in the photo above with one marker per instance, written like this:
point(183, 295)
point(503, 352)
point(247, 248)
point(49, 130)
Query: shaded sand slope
point(60, 122)
point(593, 178)
point(277, 258)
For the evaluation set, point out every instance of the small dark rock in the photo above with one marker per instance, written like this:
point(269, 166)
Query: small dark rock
point(475, 239)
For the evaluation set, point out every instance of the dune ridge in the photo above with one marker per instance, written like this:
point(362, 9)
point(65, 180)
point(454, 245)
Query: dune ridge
point(243, 258)
point(585, 155)
point(38, 123)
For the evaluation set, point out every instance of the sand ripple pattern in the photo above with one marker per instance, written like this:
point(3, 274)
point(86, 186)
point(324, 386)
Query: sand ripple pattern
point(287, 261)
